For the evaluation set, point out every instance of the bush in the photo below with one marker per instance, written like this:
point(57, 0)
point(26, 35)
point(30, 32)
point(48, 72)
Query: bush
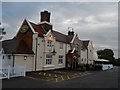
point(84, 69)
point(91, 67)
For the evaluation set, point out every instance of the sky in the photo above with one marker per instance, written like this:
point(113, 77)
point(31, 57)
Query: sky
point(96, 21)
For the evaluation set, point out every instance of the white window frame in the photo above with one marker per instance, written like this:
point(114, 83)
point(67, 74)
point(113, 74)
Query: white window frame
point(48, 59)
point(61, 45)
point(60, 59)
point(49, 43)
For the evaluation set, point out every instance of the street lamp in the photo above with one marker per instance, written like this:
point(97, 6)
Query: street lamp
point(25, 57)
point(2, 32)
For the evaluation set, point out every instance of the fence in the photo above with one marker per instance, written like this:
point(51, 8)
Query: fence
point(8, 72)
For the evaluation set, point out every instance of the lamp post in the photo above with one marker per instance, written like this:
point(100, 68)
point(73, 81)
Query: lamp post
point(2, 32)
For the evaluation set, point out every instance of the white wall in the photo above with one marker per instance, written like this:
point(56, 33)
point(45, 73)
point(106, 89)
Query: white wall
point(90, 53)
point(59, 52)
point(40, 54)
point(43, 50)
point(29, 62)
point(83, 56)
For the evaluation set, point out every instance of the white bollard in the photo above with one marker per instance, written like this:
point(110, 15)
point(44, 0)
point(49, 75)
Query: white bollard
point(24, 70)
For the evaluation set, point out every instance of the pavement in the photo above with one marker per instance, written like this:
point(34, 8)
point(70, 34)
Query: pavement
point(95, 79)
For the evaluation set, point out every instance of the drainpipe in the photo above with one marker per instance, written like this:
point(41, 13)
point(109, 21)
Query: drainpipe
point(36, 54)
point(36, 40)
point(13, 65)
point(87, 56)
point(66, 55)
point(13, 59)
point(44, 53)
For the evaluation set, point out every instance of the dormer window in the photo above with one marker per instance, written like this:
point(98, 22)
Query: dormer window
point(49, 43)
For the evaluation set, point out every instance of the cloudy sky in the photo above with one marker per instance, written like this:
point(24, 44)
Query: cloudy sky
point(97, 21)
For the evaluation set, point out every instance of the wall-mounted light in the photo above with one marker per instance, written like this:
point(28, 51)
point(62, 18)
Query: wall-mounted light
point(50, 37)
point(25, 57)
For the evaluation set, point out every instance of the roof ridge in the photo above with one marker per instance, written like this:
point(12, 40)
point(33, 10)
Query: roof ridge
point(32, 22)
point(85, 40)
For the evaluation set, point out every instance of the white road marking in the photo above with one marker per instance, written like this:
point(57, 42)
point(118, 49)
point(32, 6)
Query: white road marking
point(56, 80)
point(55, 75)
point(49, 74)
point(44, 74)
point(32, 78)
point(68, 77)
point(62, 77)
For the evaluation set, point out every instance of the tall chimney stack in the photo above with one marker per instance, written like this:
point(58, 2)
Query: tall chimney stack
point(45, 16)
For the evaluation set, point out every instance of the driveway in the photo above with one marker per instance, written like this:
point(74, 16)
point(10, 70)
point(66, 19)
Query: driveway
point(96, 79)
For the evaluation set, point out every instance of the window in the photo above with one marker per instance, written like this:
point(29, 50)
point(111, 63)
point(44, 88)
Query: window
point(49, 43)
point(48, 59)
point(3, 57)
point(82, 59)
point(61, 45)
point(60, 60)
point(9, 57)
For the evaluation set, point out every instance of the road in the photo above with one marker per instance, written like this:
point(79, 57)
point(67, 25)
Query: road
point(98, 79)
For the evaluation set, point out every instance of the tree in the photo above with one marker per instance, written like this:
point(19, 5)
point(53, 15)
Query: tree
point(106, 54)
point(117, 62)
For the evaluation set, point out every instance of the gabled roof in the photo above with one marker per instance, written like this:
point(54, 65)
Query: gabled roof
point(59, 36)
point(38, 29)
point(85, 44)
point(9, 46)
point(19, 46)
point(69, 38)
point(15, 46)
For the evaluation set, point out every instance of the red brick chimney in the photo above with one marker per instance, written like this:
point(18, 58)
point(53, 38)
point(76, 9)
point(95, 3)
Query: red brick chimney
point(45, 21)
point(45, 16)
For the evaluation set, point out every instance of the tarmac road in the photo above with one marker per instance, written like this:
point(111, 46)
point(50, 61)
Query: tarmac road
point(98, 79)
